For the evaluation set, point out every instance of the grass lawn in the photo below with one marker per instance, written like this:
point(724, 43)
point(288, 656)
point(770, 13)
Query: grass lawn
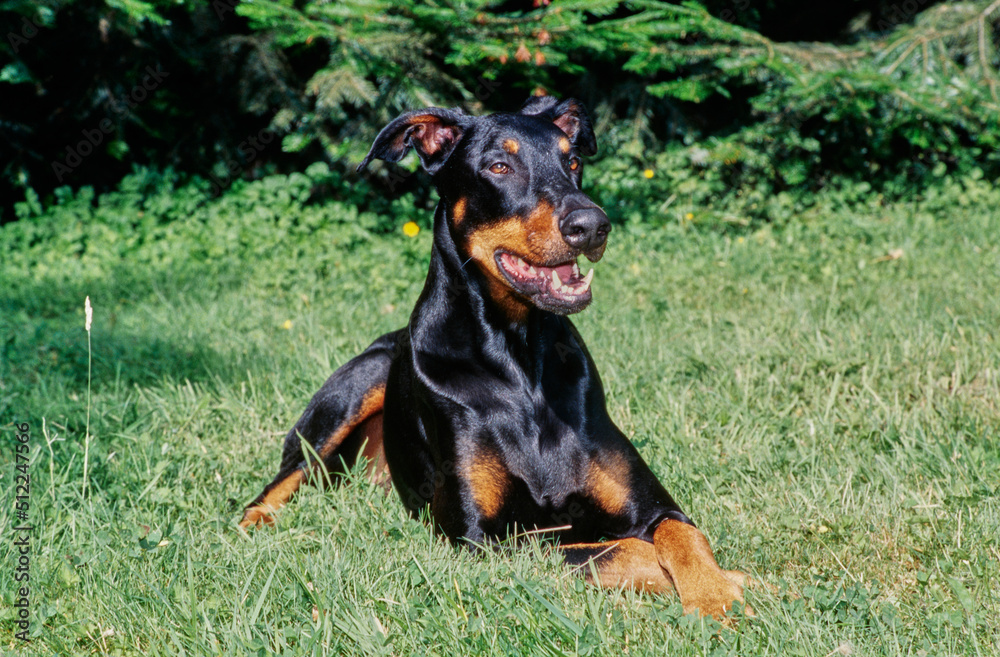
point(823, 399)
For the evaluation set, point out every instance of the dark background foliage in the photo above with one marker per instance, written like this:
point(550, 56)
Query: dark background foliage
point(777, 95)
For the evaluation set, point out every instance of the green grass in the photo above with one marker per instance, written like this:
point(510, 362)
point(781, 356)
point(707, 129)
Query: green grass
point(828, 415)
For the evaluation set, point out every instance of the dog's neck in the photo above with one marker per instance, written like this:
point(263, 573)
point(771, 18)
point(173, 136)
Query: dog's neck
point(472, 318)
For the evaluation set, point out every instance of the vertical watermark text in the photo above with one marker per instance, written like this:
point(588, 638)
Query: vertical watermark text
point(21, 531)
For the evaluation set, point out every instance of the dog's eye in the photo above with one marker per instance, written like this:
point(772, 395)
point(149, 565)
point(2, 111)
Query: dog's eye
point(499, 167)
point(574, 163)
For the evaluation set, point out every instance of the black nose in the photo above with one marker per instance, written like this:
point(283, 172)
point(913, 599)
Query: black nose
point(585, 229)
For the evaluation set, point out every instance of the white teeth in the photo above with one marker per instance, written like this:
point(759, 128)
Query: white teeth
point(576, 269)
point(532, 271)
point(575, 290)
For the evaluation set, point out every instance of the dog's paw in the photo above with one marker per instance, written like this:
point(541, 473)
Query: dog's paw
point(717, 593)
point(256, 516)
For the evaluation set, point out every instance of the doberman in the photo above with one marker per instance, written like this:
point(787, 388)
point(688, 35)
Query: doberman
point(487, 406)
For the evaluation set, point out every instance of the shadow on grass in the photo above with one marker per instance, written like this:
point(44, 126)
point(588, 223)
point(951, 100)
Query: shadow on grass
point(43, 341)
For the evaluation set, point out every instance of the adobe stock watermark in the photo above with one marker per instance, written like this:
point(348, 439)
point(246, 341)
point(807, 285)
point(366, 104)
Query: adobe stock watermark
point(94, 137)
point(223, 7)
point(248, 150)
point(29, 30)
point(897, 14)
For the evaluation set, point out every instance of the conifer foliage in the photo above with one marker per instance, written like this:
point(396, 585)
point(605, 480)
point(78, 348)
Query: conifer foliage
point(923, 93)
point(911, 95)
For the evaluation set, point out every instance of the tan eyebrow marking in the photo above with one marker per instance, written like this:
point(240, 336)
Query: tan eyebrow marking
point(564, 144)
point(511, 146)
point(458, 210)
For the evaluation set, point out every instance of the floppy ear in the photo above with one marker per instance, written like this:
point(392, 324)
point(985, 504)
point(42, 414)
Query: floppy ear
point(433, 132)
point(569, 116)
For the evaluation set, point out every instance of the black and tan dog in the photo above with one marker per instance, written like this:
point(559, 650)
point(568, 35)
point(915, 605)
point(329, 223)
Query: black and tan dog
point(487, 406)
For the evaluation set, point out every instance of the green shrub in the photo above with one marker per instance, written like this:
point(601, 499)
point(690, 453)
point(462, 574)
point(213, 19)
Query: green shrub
point(155, 221)
point(159, 221)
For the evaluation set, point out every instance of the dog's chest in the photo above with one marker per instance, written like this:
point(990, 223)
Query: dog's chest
point(544, 451)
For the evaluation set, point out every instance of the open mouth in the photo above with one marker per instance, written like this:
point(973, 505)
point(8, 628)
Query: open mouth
point(559, 288)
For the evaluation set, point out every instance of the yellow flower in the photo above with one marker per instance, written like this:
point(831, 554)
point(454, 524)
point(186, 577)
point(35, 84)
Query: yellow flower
point(739, 240)
point(689, 216)
point(648, 173)
point(287, 325)
point(410, 229)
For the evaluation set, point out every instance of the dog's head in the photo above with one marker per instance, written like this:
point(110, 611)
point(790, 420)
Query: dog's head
point(510, 185)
